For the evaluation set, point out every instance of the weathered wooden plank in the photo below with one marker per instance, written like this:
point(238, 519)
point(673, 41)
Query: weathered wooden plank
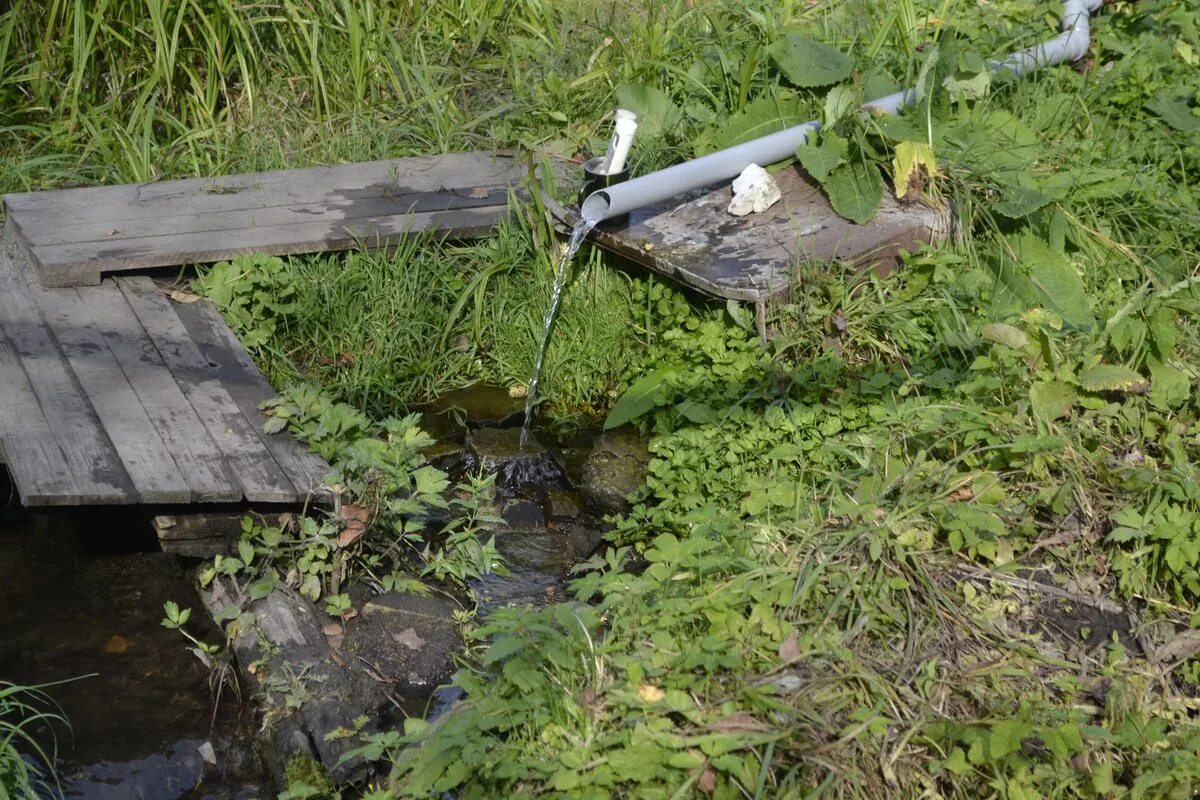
point(82, 264)
point(261, 479)
point(147, 460)
point(275, 187)
point(187, 441)
point(109, 230)
point(247, 386)
point(693, 239)
point(93, 462)
point(27, 443)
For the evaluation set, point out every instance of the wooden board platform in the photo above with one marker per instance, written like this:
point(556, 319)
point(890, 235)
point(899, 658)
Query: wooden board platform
point(74, 236)
point(114, 394)
point(693, 239)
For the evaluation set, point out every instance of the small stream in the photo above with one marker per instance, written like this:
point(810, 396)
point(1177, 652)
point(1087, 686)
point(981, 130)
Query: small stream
point(578, 235)
point(81, 594)
point(82, 591)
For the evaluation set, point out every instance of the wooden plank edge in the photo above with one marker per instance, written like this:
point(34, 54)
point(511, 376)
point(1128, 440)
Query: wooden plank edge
point(90, 271)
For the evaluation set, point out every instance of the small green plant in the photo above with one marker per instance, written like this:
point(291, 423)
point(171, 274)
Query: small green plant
point(255, 294)
point(23, 708)
point(461, 557)
point(222, 673)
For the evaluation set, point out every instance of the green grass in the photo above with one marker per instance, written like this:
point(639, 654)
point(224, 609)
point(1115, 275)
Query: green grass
point(823, 603)
point(26, 769)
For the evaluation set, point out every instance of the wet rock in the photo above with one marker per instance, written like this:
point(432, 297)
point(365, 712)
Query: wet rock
point(408, 640)
point(583, 541)
point(572, 461)
point(562, 504)
point(483, 406)
point(523, 514)
point(615, 470)
point(498, 451)
point(303, 692)
point(545, 551)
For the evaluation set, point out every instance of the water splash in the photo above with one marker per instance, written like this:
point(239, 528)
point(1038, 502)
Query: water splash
point(582, 229)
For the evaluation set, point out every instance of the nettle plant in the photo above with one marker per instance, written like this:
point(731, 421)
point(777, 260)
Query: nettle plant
point(254, 294)
point(389, 502)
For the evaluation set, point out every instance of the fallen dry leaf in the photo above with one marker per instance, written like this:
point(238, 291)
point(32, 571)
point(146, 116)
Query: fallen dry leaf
point(409, 638)
point(351, 533)
point(117, 644)
point(650, 694)
point(739, 722)
point(186, 298)
point(1181, 648)
point(349, 614)
point(707, 782)
point(360, 513)
point(334, 634)
point(479, 192)
point(789, 651)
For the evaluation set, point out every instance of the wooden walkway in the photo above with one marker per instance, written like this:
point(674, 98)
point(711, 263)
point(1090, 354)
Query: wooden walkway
point(112, 393)
point(73, 236)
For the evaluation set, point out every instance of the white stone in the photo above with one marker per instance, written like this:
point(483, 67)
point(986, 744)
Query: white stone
point(754, 191)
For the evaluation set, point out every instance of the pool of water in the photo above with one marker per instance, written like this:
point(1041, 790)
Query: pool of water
point(81, 596)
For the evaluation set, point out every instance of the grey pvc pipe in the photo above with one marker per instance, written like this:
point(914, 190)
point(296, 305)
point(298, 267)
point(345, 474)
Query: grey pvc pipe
point(1070, 45)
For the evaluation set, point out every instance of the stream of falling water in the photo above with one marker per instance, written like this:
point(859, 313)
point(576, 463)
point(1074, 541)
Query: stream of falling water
point(582, 229)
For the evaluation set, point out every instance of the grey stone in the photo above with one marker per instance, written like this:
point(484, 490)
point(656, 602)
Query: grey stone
point(583, 541)
point(408, 639)
point(562, 505)
point(301, 690)
point(572, 460)
point(498, 451)
point(615, 470)
point(523, 514)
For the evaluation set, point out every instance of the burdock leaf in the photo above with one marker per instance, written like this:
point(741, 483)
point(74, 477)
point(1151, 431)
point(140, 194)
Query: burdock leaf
point(1111, 378)
point(856, 191)
point(807, 63)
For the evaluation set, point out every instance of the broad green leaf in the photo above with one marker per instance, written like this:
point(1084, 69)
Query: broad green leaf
point(968, 86)
point(699, 413)
point(766, 115)
point(1005, 334)
point(956, 762)
point(739, 314)
point(912, 160)
point(856, 191)
point(246, 551)
point(819, 160)
point(1031, 274)
point(839, 104)
point(656, 112)
point(1169, 387)
point(1172, 107)
point(640, 398)
point(261, 588)
point(1006, 737)
point(1111, 378)
point(1051, 400)
point(807, 63)
point(1020, 201)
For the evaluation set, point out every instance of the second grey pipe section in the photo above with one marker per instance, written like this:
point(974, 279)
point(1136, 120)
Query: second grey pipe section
point(1070, 45)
